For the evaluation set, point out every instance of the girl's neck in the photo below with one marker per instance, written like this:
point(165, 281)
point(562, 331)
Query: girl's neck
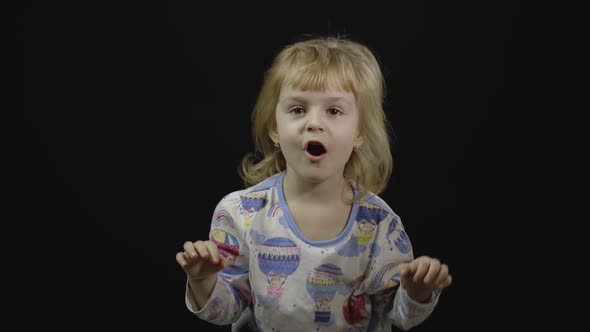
point(331, 190)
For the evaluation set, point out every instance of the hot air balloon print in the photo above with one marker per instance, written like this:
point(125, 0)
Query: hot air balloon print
point(278, 258)
point(398, 235)
point(403, 242)
point(251, 203)
point(368, 217)
point(322, 284)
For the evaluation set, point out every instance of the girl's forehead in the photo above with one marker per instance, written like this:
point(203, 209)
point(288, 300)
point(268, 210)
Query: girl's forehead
point(332, 93)
point(314, 78)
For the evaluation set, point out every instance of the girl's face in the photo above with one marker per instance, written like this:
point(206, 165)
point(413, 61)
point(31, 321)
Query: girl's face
point(317, 131)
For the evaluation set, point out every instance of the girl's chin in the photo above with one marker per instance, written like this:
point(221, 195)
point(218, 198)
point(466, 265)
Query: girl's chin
point(313, 174)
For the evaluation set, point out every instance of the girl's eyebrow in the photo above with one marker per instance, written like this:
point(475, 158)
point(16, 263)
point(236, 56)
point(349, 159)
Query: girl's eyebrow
point(294, 98)
point(339, 99)
point(334, 99)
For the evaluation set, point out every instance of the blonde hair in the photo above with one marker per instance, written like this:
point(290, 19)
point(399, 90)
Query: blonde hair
point(315, 64)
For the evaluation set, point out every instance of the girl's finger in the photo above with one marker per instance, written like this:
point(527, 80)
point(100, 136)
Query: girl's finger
point(180, 259)
point(202, 250)
point(189, 248)
point(213, 252)
point(404, 269)
point(421, 270)
point(433, 271)
point(443, 273)
point(187, 258)
point(446, 283)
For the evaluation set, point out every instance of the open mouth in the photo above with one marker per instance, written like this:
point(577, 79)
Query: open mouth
point(315, 148)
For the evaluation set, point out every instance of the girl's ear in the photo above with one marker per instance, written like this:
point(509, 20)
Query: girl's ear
point(274, 135)
point(358, 141)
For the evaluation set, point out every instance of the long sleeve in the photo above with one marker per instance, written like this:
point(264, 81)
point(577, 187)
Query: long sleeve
point(231, 294)
point(389, 301)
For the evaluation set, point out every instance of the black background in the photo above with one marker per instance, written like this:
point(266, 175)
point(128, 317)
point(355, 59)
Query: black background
point(136, 117)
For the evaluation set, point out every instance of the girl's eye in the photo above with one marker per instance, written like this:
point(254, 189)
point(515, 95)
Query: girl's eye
point(297, 110)
point(334, 111)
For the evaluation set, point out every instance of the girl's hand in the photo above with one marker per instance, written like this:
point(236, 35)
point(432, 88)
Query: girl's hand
point(200, 260)
point(422, 276)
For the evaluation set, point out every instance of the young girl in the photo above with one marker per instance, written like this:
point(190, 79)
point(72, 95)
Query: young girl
point(309, 246)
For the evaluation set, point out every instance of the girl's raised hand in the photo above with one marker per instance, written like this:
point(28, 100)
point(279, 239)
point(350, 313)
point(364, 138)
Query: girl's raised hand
point(422, 276)
point(200, 260)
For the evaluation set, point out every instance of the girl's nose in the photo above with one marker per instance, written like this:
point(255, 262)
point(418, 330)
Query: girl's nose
point(314, 122)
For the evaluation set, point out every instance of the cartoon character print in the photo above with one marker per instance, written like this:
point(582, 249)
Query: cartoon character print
point(251, 203)
point(366, 228)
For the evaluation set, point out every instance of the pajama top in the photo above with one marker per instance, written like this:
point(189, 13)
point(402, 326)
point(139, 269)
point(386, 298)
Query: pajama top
point(280, 281)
